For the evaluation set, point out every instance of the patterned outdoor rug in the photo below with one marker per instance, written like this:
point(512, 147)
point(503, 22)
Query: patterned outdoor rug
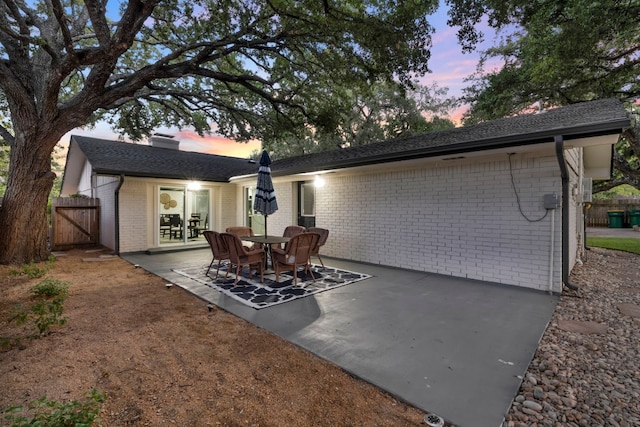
point(258, 295)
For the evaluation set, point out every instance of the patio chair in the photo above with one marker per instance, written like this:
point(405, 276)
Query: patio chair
point(290, 231)
point(243, 231)
point(218, 249)
point(165, 225)
point(296, 255)
point(324, 235)
point(240, 256)
point(202, 227)
point(175, 231)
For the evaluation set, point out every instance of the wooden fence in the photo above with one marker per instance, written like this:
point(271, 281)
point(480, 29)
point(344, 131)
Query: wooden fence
point(75, 221)
point(598, 214)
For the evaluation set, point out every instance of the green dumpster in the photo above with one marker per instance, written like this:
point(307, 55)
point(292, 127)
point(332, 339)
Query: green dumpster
point(634, 217)
point(615, 219)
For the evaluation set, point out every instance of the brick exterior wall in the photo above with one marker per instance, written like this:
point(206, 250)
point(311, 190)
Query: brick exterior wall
point(285, 215)
point(576, 217)
point(455, 219)
point(458, 218)
point(105, 191)
point(134, 216)
point(228, 205)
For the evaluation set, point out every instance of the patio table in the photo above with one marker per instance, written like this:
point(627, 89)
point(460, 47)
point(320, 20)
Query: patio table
point(266, 242)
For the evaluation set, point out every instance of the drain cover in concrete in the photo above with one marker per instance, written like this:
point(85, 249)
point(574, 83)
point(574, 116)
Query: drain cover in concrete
point(629, 309)
point(582, 327)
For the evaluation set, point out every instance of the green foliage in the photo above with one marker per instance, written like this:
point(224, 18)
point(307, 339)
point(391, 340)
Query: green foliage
point(556, 53)
point(229, 63)
point(48, 413)
point(386, 111)
point(621, 191)
point(50, 288)
point(620, 244)
point(228, 66)
point(34, 270)
point(47, 308)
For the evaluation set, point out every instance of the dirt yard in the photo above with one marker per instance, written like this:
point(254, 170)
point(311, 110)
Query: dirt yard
point(163, 358)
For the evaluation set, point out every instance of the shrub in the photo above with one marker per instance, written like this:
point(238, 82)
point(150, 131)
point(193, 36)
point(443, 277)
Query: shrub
point(47, 413)
point(48, 307)
point(34, 270)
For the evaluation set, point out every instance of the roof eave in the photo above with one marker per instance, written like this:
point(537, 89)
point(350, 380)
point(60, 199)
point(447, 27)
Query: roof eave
point(546, 136)
point(110, 172)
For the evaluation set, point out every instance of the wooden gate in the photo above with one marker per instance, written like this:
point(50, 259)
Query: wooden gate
point(75, 221)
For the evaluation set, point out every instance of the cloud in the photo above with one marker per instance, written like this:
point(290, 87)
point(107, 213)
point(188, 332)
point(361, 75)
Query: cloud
point(215, 144)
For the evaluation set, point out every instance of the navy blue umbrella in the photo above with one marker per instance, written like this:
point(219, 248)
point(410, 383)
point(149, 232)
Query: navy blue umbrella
point(265, 201)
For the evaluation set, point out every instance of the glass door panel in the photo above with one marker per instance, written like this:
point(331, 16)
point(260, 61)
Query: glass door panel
point(197, 214)
point(253, 219)
point(307, 204)
point(172, 200)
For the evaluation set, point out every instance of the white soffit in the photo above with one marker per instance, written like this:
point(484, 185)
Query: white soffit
point(74, 165)
point(597, 161)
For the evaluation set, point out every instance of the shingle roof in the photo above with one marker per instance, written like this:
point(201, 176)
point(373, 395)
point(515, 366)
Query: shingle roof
point(115, 157)
point(593, 118)
point(578, 120)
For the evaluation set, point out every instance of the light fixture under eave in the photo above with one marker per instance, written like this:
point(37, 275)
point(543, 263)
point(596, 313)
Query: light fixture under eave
point(318, 181)
point(193, 186)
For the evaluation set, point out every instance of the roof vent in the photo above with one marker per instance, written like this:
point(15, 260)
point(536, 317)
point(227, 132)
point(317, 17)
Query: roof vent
point(161, 140)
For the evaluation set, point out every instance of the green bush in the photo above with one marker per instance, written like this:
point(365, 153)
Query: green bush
point(47, 309)
point(50, 288)
point(34, 270)
point(47, 413)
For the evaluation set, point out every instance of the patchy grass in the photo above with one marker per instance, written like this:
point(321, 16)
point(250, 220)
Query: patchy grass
point(620, 244)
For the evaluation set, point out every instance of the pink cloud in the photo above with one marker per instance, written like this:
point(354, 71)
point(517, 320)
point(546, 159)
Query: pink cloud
point(215, 144)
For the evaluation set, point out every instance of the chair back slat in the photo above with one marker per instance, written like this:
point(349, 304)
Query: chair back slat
point(293, 230)
point(300, 247)
point(323, 232)
point(234, 245)
point(217, 245)
point(240, 231)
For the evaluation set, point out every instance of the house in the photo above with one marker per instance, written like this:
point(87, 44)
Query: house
point(500, 201)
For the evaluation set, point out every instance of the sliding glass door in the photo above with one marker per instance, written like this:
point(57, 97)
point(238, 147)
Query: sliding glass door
point(184, 214)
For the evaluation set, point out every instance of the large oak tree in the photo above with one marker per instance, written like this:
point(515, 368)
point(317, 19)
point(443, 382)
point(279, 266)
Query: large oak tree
point(556, 53)
point(384, 111)
point(231, 64)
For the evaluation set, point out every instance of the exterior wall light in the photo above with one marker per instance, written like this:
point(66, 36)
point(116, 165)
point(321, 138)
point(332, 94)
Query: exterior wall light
point(318, 181)
point(193, 186)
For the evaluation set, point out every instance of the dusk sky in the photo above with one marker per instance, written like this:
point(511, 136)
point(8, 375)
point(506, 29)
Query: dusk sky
point(448, 64)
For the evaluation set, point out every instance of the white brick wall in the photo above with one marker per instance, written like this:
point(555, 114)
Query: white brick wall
point(284, 216)
point(105, 191)
point(576, 219)
point(229, 206)
point(133, 216)
point(456, 219)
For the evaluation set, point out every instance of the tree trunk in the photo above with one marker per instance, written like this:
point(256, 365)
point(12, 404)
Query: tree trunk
point(23, 215)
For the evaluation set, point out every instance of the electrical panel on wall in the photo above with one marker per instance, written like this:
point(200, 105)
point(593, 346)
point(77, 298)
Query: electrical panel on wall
point(587, 190)
point(551, 201)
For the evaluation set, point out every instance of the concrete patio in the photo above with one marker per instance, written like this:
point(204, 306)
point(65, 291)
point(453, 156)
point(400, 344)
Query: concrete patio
point(450, 346)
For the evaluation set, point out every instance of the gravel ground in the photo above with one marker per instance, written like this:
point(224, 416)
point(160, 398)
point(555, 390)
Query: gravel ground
point(586, 370)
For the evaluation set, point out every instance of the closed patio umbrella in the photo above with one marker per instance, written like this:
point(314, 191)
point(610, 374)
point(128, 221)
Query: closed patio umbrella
point(265, 199)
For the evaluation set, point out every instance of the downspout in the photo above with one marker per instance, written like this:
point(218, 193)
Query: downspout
point(117, 214)
point(559, 140)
